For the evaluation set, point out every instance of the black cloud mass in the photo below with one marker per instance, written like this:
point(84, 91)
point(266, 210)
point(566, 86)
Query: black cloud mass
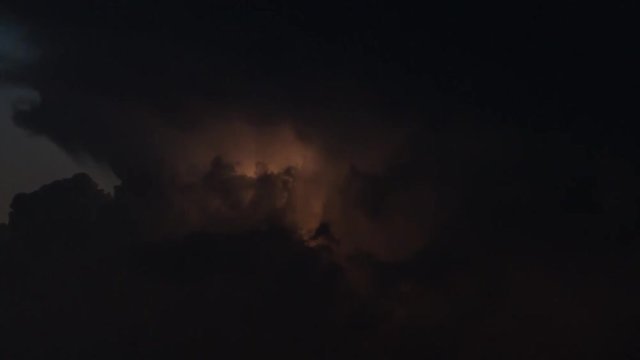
point(339, 180)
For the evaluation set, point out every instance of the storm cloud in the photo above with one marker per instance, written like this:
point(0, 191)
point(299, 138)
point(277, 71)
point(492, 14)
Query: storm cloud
point(327, 181)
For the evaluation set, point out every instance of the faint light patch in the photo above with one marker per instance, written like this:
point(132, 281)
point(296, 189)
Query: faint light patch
point(15, 49)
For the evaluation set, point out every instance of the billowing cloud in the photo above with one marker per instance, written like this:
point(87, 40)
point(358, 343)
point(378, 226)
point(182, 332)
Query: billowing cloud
point(311, 150)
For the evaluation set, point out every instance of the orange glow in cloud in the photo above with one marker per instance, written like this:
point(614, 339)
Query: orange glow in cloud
point(313, 194)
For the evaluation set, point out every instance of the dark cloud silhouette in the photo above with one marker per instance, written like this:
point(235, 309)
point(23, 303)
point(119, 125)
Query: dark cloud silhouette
point(76, 266)
point(70, 205)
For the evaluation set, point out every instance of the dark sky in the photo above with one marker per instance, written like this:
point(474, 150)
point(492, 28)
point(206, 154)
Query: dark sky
point(452, 180)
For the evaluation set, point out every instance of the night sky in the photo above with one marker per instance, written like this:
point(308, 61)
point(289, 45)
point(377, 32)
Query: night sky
point(354, 179)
